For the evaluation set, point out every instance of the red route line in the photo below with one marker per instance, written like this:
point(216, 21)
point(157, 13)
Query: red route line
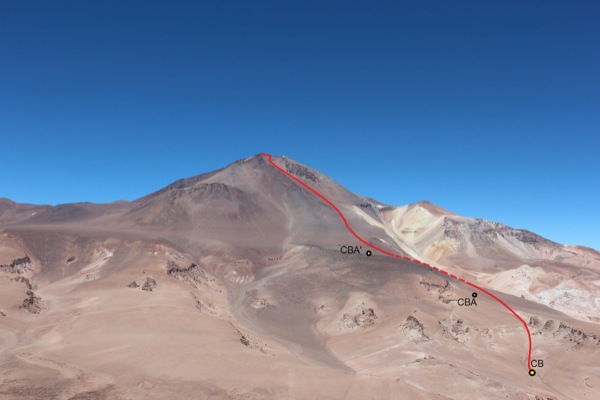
point(387, 253)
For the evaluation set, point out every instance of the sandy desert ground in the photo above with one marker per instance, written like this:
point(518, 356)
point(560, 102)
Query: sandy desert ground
point(232, 285)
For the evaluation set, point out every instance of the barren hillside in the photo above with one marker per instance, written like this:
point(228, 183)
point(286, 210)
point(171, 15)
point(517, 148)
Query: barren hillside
point(235, 285)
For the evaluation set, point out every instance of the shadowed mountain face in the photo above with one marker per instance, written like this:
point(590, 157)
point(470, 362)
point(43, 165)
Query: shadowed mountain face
point(232, 284)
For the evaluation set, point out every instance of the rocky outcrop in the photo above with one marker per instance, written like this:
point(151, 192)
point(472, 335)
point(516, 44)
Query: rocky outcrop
point(251, 342)
point(205, 307)
point(460, 229)
point(300, 171)
point(364, 318)
point(149, 285)
point(17, 266)
point(456, 329)
point(443, 291)
point(435, 288)
point(24, 281)
point(33, 303)
point(563, 332)
point(192, 275)
point(414, 330)
point(259, 304)
point(272, 259)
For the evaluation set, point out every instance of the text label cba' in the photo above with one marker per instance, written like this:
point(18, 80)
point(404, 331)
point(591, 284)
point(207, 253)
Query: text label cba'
point(467, 302)
point(350, 249)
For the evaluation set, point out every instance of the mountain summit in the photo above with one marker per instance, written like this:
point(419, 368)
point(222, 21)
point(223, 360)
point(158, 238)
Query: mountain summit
point(244, 283)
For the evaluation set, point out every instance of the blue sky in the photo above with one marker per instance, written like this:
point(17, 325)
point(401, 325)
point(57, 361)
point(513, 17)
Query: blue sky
point(489, 109)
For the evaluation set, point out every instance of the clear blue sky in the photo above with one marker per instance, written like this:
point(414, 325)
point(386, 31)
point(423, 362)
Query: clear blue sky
point(489, 109)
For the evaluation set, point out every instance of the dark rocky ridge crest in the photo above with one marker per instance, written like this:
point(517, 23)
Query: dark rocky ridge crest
point(480, 227)
point(300, 171)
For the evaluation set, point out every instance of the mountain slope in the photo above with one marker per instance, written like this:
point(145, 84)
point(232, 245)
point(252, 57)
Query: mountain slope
point(500, 257)
point(232, 284)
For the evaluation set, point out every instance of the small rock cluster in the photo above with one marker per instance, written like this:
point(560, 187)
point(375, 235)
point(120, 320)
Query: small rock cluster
point(456, 329)
point(300, 171)
point(192, 275)
point(364, 318)
point(251, 342)
point(17, 266)
point(564, 332)
point(21, 266)
point(205, 307)
point(260, 303)
point(443, 291)
point(414, 330)
point(148, 286)
point(32, 303)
